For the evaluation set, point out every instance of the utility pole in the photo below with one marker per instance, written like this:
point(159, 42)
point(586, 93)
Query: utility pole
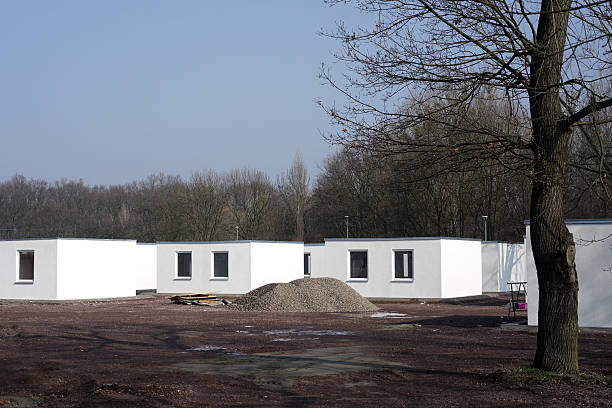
point(346, 217)
point(237, 232)
point(485, 217)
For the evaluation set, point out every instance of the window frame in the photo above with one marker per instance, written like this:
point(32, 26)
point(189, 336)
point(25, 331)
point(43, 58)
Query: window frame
point(18, 278)
point(349, 277)
point(176, 265)
point(212, 266)
point(393, 255)
point(309, 254)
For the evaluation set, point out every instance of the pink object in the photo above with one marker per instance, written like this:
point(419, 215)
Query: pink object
point(522, 306)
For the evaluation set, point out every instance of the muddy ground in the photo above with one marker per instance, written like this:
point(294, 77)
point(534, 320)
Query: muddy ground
point(147, 352)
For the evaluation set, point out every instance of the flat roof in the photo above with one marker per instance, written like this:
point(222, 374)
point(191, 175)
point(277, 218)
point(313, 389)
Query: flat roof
point(401, 239)
point(584, 221)
point(68, 239)
point(240, 241)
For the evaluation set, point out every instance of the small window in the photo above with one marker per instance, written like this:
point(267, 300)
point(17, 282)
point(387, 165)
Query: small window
point(183, 264)
point(26, 265)
point(306, 264)
point(220, 268)
point(403, 265)
point(359, 265)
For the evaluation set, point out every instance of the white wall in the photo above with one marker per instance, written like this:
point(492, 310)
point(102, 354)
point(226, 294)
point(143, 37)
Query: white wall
point(44, 285)
point(276, 262)
point(593, 265)
point(381, 282)
point(491, 266)
point(317, 259)
point(512, 264)
point(202, 281)
point(461, 268)
point(146, 268)
point(96, 268)
point(502, 262)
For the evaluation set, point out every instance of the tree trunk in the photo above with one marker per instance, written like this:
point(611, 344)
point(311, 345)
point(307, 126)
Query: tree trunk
point(553, 251)
point(552, 244)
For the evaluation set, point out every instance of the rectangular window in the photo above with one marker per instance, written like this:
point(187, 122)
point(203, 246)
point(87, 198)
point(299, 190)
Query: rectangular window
point(403, 265)
point(306, 264)
point(221, 265)
point(26, 265)
point(183, 269)
point(359, 265)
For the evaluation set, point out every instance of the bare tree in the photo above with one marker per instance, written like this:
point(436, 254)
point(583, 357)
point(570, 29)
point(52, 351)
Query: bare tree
point(249, 195)
point(437, 61)
point(293, 187)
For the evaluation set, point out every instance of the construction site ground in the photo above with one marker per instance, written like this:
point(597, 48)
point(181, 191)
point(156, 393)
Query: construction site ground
point(147, 352)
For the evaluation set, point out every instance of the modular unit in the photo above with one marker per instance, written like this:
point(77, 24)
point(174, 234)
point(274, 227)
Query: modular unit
point(58, 269)
point(401, 267)
point(593, 239)
point(228, 267)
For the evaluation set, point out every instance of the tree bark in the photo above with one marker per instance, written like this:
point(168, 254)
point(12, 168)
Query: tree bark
point(552, 244)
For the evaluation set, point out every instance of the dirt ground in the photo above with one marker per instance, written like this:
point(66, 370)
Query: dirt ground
point(147, 352)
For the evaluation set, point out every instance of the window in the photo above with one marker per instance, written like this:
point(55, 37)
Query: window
point(26, 265)
point(403, 265)
point(306, 264)
point(183, 260)
point(220, 267)
point(359, 265)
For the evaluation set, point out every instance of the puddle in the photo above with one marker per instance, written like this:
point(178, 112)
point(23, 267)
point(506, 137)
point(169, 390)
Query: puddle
point(280, 368)
point(294, 338)
point(206, 348)
point(390, 315)
point(296, 332)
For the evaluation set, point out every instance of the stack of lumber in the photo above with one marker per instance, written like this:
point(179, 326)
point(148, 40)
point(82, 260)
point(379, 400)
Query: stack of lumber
point(200, 299)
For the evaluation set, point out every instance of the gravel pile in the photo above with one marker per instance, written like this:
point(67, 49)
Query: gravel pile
point(304, 295)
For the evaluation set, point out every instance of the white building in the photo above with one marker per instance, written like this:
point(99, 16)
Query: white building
point(230, 267)
point(400, 267)
point(502, 262)
point(54, 269)
point(593, 240)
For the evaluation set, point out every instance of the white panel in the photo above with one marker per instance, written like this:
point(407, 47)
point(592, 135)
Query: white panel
point(146, 268)
point(512, 265)
point(44, 285)
point(276, 262)
point(461, 268)
point(532, 282)
point(490, 266)
point(593, 265)
point(317, 259)
point(93, 268)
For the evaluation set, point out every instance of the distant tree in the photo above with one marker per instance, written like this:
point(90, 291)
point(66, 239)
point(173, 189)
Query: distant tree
point(293, 187)
point(249, 196)
point(435, 62)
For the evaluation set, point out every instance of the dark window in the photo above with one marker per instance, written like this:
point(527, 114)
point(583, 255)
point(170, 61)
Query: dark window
point(403, 265)
point(306, 264)
point(220, 265)
point(184, 265)
point(26, 265)
point(359, 264)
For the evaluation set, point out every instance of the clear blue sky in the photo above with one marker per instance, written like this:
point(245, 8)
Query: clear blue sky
point(112, 91)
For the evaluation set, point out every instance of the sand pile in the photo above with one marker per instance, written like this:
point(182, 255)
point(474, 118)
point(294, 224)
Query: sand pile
point(304, 295)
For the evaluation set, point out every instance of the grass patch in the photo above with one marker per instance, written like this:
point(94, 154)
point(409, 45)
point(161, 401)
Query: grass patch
point(534, 376)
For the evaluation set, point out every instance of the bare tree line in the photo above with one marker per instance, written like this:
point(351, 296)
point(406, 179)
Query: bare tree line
point(381, 197)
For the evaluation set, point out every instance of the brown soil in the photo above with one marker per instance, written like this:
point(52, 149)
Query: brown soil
point(148, 352)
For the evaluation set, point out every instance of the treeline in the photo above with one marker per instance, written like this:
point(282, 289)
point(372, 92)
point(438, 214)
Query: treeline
point(380, 198)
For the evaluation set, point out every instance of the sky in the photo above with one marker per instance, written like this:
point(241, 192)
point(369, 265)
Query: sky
point(112, 91)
